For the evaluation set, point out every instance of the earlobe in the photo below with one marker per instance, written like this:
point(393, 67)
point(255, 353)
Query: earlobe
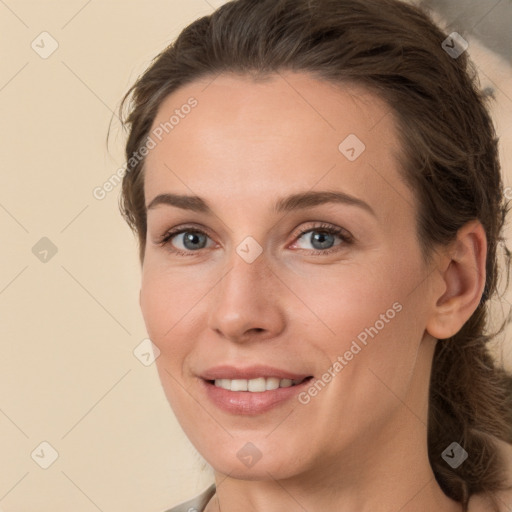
point(463, 279)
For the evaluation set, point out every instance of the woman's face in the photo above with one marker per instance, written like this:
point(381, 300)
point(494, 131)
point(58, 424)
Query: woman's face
point(297, 259)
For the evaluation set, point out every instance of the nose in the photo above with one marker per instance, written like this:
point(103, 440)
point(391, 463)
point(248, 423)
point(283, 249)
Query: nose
point(248, 303)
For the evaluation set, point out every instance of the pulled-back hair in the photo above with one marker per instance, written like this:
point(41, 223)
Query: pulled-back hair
point(449, 158)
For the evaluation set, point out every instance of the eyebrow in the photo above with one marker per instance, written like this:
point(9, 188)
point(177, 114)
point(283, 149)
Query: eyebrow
point(298, 201)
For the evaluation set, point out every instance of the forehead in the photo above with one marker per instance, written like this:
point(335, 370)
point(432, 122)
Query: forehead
point(289, 131)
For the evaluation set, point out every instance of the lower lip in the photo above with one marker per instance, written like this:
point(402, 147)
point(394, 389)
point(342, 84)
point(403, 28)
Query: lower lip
point(250, 403)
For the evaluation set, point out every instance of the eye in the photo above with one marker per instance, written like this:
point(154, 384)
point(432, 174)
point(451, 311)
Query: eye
point(193, 240)
point(186, 241)
point(323, 238)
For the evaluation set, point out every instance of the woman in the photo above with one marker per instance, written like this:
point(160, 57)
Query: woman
point(323, 346)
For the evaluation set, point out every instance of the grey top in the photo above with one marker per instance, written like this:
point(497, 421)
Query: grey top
point(197, 504)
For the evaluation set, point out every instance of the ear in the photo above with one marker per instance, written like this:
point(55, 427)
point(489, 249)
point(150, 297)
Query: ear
point(463, 279)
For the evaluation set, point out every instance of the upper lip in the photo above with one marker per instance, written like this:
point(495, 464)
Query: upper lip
point(250, 372)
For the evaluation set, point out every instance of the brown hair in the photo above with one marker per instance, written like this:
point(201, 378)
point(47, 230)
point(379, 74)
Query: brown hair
point(449, 158)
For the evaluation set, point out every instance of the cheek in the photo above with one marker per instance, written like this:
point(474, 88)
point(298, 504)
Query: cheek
point(164, 302)
point(348, 300)
point(162, 305)
point(380, 347)
point(367, 316)
point(155, 303)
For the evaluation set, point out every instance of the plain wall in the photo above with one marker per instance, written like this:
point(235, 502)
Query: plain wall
point(70, 324)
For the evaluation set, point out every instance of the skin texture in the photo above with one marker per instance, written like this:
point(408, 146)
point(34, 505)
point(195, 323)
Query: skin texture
point(360, 443)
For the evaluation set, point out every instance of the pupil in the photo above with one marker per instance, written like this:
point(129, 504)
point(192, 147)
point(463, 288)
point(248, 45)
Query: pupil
point(191, 237)
point(320, 237)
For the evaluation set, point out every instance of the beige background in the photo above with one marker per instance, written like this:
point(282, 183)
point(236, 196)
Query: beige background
point(70, 325)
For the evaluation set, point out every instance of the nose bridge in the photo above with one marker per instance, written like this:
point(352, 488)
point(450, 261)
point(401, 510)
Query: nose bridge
point(246, 280)
point(242, 299)
point(247, 264)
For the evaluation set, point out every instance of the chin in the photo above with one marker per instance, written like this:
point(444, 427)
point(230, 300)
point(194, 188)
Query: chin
point(263, 469)
point(250, 457)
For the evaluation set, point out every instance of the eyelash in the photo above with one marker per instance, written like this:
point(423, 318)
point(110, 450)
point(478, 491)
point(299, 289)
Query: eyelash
point(346, 238)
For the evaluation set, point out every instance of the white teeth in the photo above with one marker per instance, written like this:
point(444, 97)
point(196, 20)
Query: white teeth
point(272, 383)
point(257, 385)
point(238, 385)
point(223, 383)
point(285, 383)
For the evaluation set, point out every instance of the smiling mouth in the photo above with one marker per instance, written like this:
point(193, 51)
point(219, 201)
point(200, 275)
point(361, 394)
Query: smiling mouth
point(257, 385)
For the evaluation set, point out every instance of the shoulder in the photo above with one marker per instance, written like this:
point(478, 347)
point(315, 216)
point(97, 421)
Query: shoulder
point(480, 504)
point(196, 504)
